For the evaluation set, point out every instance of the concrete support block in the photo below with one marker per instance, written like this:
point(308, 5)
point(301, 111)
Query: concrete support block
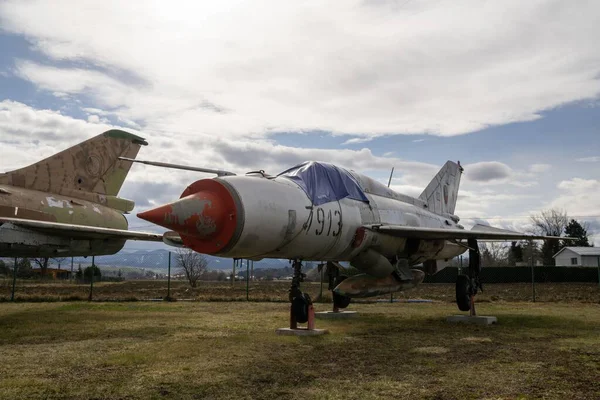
point(476, 320)
point(336, 314)
point(301, 332)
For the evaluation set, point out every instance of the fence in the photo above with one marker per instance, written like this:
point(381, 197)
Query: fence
point(541, 274)
point(157, 276)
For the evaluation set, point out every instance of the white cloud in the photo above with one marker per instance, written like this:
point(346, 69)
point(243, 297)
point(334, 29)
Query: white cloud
point(488, 171)
point(27, 134)
point(478, 203)
point(589, 159)
point(539, 168)
point(94, 119)
point(367, 68)
point(579, 197)
point(496, 173)
point(582, 186)
point(357, 140)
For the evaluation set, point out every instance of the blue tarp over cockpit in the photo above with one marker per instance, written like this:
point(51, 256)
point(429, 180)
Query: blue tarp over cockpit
point(325, 182)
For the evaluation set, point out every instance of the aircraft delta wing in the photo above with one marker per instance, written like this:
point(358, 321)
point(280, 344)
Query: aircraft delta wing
point(81, 231)
point(480, 232)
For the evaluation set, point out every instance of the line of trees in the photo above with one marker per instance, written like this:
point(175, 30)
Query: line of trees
point(551, 222)
point(25, 269)
point(25, 266)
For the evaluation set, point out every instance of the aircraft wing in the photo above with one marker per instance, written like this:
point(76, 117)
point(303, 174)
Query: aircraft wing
point(481, 232)
point(81, 231)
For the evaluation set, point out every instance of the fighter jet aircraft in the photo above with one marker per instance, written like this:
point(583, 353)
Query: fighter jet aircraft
point(67, 204)
point(318, 211)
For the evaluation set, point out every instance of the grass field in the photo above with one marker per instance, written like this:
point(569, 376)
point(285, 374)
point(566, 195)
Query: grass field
point(224, 350)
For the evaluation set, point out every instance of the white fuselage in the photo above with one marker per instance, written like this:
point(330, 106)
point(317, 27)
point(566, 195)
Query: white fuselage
point(279, 221)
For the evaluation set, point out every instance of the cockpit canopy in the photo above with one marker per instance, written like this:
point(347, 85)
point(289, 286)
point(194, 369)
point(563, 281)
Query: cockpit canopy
point(324, 182)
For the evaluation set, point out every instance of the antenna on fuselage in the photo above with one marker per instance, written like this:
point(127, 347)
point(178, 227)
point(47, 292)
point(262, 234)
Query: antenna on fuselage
point(391, 174)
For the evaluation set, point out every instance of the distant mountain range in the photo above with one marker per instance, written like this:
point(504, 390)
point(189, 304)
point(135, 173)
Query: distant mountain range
point(159, 260)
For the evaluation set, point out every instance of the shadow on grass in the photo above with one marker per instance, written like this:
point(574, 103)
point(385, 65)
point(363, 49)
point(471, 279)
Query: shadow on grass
point(422, 354)
point(55, 326)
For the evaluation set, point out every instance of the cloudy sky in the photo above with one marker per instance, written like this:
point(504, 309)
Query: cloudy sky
point(510, 88)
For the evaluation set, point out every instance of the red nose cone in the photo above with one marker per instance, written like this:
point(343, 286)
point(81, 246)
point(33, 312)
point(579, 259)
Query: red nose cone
point(205, 216)
point(200, 215)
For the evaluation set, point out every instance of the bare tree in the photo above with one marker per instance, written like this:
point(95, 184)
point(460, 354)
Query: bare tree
point(494, 254)
point(192, 264)
point(59, 261)
point(41, 262)
point(551, 222)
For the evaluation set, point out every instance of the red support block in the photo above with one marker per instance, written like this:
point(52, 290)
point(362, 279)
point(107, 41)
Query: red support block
point(311, 318)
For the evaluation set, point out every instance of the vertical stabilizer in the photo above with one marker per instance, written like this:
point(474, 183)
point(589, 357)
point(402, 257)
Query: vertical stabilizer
point(91, 166)
point(442, 192)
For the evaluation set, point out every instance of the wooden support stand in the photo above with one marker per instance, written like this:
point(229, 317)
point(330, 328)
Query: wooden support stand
point(301, 300)
point(310, 329)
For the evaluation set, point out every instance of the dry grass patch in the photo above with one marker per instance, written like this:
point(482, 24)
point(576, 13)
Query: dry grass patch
point(229, 350)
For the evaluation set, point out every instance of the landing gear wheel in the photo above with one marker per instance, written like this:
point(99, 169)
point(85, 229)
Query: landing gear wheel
point(340, 301)
point(300, 305)
point(463, 297)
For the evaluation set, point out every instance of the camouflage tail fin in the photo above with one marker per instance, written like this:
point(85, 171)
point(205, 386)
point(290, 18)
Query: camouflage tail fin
point(442, 192)
point(91, 166)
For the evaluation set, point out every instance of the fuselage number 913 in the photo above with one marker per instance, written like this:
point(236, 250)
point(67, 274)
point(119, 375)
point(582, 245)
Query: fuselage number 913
point(327, 223)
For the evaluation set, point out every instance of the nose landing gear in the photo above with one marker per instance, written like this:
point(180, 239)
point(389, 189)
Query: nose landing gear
point(301, 307)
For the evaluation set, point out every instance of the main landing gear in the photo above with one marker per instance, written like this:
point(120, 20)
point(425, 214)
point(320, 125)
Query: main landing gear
point(334, 278)
point(467, 286)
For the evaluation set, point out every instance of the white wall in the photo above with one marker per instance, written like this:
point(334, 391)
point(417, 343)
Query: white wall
point(564, 259)
point(590, 261)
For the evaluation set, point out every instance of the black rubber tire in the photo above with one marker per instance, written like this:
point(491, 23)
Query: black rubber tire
point(300, 308)
point(463, 299)
point(340, 301)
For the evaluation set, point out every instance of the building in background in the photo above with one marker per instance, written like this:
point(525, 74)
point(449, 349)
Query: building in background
point(578, 257)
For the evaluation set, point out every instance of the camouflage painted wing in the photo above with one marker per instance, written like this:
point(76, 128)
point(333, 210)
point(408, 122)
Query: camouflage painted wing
point(81, 231)
point(481, 232)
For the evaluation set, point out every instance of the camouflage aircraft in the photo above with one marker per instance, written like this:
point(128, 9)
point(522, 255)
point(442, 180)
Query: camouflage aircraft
point(67, 205)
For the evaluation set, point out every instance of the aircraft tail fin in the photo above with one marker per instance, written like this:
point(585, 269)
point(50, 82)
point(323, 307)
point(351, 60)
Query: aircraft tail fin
point(91, 166)
point(442, 192)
